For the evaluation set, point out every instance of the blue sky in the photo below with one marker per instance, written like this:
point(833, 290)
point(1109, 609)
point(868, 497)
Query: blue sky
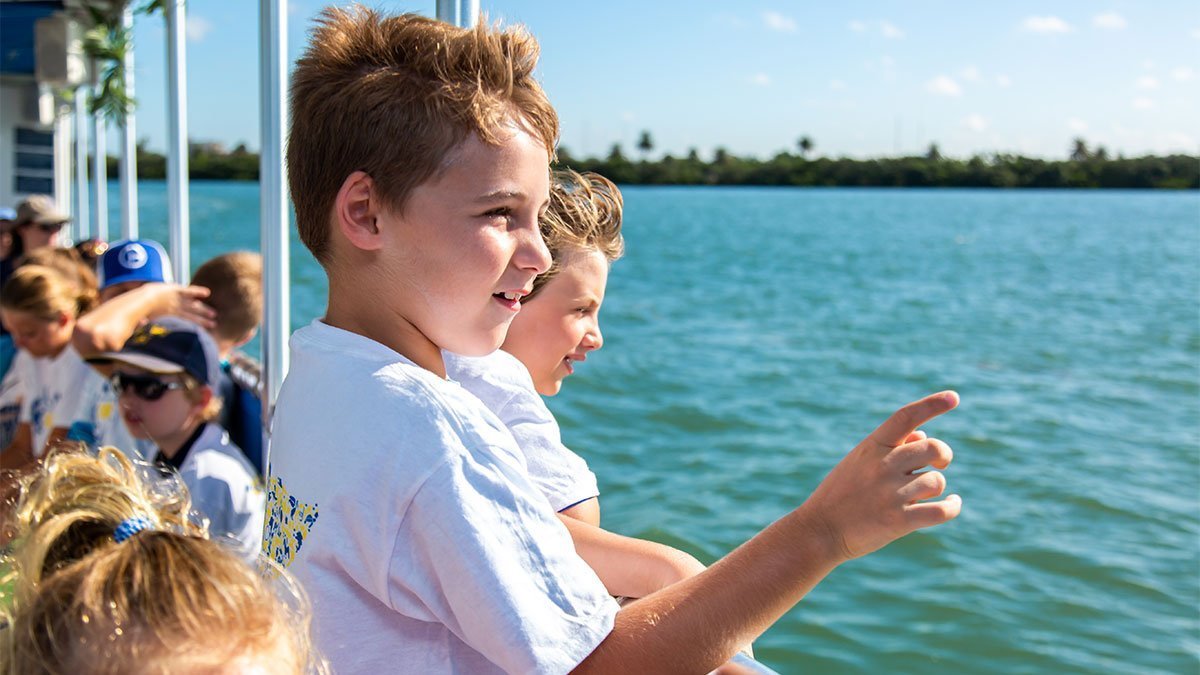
point(862, 79)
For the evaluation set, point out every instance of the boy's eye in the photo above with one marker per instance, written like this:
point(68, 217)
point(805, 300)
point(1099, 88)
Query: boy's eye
point(499, 212)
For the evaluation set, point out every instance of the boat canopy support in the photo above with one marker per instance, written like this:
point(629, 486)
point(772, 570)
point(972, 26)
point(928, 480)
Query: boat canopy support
point(129, 210)
point(461, 13)
point(178, 216)
point(274, 209)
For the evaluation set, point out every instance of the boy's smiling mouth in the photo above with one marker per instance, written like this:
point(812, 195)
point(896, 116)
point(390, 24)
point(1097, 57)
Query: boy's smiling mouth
point(510, 299)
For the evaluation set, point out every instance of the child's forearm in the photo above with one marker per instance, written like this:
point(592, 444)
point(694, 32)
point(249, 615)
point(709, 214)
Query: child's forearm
point(699, 623)
point(107, 327)
point(629, 567)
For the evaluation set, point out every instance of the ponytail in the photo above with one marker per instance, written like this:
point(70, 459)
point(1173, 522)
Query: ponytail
point(110, 575)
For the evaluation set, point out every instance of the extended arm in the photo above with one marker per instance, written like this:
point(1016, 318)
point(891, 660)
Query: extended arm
point(629, 567)
point(107, 327)
point(872, 497)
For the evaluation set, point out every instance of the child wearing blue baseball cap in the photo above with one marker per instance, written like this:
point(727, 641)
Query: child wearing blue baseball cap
point(135, 286)
point(164, 377)
point(129, 263)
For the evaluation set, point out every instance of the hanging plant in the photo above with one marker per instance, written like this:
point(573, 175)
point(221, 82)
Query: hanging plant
point(105, 44)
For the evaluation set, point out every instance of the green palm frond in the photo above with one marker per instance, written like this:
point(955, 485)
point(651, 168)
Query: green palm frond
point(106, 42)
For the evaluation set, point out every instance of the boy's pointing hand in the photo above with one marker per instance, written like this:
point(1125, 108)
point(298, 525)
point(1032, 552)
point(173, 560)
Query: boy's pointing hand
point(874, 495)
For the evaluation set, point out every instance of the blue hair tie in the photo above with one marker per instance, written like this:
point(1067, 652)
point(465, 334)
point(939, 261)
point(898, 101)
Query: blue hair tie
point(130, 527)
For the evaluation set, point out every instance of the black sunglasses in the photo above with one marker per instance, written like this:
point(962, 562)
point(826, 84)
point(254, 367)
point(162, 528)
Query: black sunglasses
point(48, 228)
point(144, 387)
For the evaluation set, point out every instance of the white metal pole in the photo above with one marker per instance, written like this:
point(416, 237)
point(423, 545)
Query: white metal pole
point(63, 158)
point(177, 143)
point(100, 177)
point(274, 202)
point(129, 213)
point(462, 13)
point(82, 220)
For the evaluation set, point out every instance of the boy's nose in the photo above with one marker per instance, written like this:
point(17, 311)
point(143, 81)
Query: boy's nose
point(532, 253)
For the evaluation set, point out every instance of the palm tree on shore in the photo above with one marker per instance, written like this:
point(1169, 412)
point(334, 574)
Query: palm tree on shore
point(1079, 151)
point(645, 144)
point(806, 145)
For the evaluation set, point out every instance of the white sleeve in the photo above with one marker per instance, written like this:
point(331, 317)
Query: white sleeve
point(562, 476)
point(479, 552)
point(233, 504)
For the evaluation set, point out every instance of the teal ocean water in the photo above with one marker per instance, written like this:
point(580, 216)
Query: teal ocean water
point(753, 336)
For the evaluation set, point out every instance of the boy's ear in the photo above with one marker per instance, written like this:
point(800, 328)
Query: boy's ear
point(203, 396)
point(356, 208)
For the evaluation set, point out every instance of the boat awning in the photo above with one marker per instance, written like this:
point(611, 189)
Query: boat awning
point(17, 21)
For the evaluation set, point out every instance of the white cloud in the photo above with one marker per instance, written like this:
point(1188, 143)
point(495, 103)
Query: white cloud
point(1147, 82)
point(1109, 21)
point(1183, 73)
point(1046, 24)
point(760, 79)
point(1148, 64)
point(837, 85)
point(970, 74)
point(887, 62)
point(627, 116)
point(1142, 103)
point(975, 122)
point(1195, 33)
point(1077, 125)
point(857, 26)
point(943, 85)
point(197, 28)
point(778, 22)
point(890, 31)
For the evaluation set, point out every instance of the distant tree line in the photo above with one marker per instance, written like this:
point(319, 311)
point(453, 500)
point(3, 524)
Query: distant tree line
point(1083, 168)
point(205, 162)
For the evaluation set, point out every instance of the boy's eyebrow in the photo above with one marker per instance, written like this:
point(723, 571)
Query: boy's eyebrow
point(499, 195)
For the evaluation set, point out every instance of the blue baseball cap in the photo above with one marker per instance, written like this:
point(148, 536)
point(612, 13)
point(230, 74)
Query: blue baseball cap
point(134, 260)
point(167, 346)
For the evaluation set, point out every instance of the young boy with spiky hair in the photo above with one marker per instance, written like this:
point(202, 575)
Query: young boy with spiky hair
point(418, 164)
point(234, 283)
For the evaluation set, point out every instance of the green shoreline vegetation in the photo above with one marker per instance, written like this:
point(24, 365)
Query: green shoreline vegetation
point(1083, 168)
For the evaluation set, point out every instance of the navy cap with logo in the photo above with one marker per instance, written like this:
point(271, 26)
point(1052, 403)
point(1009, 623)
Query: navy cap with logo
point(169, 345)
point(134, 260)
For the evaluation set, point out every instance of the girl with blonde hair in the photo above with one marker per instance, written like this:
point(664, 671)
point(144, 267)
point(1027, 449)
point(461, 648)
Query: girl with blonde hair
point(39, 304)
point(109, 575)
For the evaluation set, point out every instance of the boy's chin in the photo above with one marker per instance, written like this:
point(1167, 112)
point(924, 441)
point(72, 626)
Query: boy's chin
point(480, 347)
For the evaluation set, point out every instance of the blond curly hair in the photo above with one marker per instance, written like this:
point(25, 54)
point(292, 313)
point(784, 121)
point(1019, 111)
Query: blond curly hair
point(166, 600)
point(584, 215)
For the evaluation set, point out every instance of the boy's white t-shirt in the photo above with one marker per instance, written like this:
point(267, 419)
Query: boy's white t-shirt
point(53, 388)
point(504, 385)
point(404, 509)
point(225, 489)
